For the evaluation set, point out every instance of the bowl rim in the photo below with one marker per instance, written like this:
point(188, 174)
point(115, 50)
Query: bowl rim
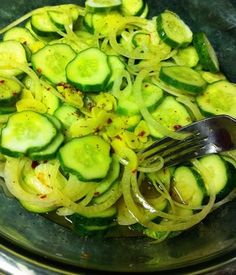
point(33, 260)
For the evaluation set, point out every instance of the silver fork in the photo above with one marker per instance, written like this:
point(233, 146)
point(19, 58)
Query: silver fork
point(211, 135)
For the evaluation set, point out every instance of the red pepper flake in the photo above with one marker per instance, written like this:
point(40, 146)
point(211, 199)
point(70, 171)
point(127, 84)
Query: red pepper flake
point(15, 94)
point(177, 127)
point(34, 164)
point(2, 81)
point(134, 171)
point(109, 121)
point(48, 89)
point(39, 70)
point(96, 194)
point(43, 196)
point(118, 137)
point(64, 85)
point(141, 134)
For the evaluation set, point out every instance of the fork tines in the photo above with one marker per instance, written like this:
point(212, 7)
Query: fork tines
point(173, 151)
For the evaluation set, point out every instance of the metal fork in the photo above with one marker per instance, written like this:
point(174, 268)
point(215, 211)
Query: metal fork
point(211, 135)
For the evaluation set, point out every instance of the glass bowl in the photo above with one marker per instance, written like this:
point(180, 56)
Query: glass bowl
point(30, 238)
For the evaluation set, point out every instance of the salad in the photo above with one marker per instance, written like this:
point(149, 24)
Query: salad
point(83, 90)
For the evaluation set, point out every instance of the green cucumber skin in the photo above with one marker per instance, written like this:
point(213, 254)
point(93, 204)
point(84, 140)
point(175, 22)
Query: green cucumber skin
point(44, 157)
point(52, 35)
point(88, 26)
point(91, 88)
point(102, 9)
point(205, 59)
point(8, 102)
point(92, 231)
point(164, 36)
point(76, 173)
point(139, 12)
point(10, 153)
point(7, 110)
point(16, 154)
point(183, 86)
point(231, 173)
point(59, 26)
point(71, 171)
point(93, 221)
point(200, 182)
point(41, 157)
point(111, 177)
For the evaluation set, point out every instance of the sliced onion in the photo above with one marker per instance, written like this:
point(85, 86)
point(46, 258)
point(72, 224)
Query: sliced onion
point(137, 88)
point(192, 107)
point(12, 176)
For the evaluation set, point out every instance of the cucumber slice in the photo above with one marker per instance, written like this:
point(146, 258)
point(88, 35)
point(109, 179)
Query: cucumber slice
point(21, 35)
point(218, 98)
point(207, 55)
point(12, 53)
point(188, 185)
point(87, 157)
point(52, 60)
point(88, 22)
point(172, 114)
point(186, 57)
point(50, 151)
point(89, 71)
point(141, 39)
point(102, 5)
point(219, 180)
point(35, 208)
point(67, 17)
point(10, 91)
point(116, 66)
point(182, 77)
point(127, 106)
point(49, 99)
point(103, 218)
point(7, 110)
point(172, 30)
point(26, 131)
point(92, 230)
point(132, 7)
point(55, 121)
point(67, 114)
point(42, 39)
point(152, 95)
point(106, 195)
point(112, 175)
point(106, 23)
point(42, 25)
point(144, 14)
point(212, 77)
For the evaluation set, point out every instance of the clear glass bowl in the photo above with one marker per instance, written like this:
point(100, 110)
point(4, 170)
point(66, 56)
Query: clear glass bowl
point(204, 247)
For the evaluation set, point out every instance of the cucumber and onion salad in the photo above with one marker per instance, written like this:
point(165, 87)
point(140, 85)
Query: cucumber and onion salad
point(83, 90)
